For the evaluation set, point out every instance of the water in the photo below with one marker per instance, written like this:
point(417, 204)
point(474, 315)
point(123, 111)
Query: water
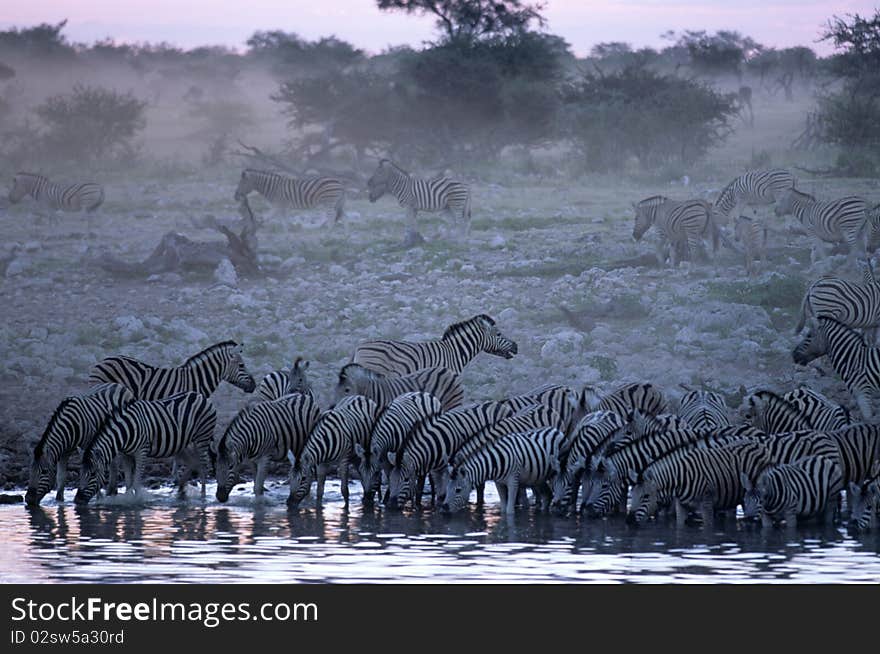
point(165, 540)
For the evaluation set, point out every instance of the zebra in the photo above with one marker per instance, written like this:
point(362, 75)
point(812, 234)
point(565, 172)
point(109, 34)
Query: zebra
point(703, 410)
point(682, 226)
point(329, 446)
point(317, 192)
point(610, 471)
point(416, 194)
point(201, 373)
point(591, 436)
point(704, 480)
point(86, 196)
point(170, 427)
point(856, 305)
point(645, 397)
point(561, 399)
point(772, 413)
point(858, 447)
point(459, 345)
point(513, 461)
point(857, 363)
point(263, 432)
point(836, 221)
point(393, 423)
point(791, 491)
point(442, 383)
point(72, 426)
point(430, 446)
point(873, 229)
point(279, 383)
point(756, 187)
point(753, 235)
point(640, 426)
point(865, 500)
point(822, 413)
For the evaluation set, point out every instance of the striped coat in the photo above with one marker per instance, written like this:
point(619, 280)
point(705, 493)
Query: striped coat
point(682, 226)
point(442, 383)
point(756, 187)
point(318, 192)
point(86, 196)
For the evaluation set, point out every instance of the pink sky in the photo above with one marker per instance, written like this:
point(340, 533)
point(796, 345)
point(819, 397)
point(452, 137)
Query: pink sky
point(583, 23)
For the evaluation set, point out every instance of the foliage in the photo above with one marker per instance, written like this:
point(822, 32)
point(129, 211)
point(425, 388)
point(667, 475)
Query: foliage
point(721, 53)
point(288, 54)
point(91, 122)
point(639, 113)
point(42, 41)
point(473, 20)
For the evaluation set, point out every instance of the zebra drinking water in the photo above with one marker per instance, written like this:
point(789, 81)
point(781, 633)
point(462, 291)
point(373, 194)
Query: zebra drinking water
point(416, 194)
point(201, 373)
point(72, 426)
point(317, 192)
point(264, 432)
point(704, 410)
point(459, 345)
point(159, 429)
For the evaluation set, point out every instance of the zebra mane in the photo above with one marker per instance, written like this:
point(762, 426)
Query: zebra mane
point(846, 328)
point(24, 174)
point(114, 413)
point(348, 368)
point(198, 357)
point(56, 414)
point(652, 201)
point(802, 194)
point(454, 329)
point(393, 165)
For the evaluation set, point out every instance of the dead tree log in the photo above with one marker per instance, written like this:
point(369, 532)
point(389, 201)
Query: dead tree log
point(179, 253)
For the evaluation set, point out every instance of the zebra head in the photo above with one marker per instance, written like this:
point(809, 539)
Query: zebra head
point(368, 468)
point(400, 483)
point(646, 213)
point(353, 378)
point(378, 184)
point(645, 498)
point(751, 503)
point(297, 377)
point(563, 481)
point(22, 185)
point(495, 342)
point(814, 344)
point(302, 471)
point(227, 462)
point(458, 492)
point(864, 503)
point(98, 455)
point(46, 453)
point(245, 185)
point(606, 489)
point(236, 373)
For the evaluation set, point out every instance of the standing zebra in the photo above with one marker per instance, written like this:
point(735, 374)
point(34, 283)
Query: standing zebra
point(704, 410)
point(330, 446)
point(772, 413)
point(320, 192)
point(171, 427)
point(458, 346)
point(856, 305)
point(513, 461)
point(645, 397)
point(857, 363)
point(416, 194)
point(72, 426)
point(822, 413)
point(431, 445)
point(279, 383)
point(201, 373)
point(682, 226)
point(393, 423)
point(865, 500)
point(263, 432)
point(561, 399)
point(756, 187)
point(804, 489)
point(834, 221)
point(442, 383)
point(86, 196)
point(752, 233)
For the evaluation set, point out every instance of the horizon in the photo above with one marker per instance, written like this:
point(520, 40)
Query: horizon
point(360, 22)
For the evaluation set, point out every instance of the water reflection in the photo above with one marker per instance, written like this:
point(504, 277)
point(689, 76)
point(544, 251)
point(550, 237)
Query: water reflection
point(259, 540)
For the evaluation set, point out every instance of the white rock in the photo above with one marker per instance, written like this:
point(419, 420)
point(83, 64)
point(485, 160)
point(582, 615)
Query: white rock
point(130, 328)
point(497, 242)
point(225, 273)
point(18, 266)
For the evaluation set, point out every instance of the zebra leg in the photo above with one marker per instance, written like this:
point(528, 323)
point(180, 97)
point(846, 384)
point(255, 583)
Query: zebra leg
point(343, 482)
point(828, 514)
point(260, 476)
point(766, 520)
point(681, 513)
point(707, 512)
point(512, 493)
point(790, 519)
point(321, 476)
point(501, 489)
point(60, 478)
point(137, 472)
point(481, 491)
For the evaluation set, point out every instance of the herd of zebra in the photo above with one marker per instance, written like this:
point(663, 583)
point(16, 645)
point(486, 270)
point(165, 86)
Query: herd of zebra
point(399, 420)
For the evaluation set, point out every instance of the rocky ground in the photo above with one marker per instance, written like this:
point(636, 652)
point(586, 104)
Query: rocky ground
point(544, 260)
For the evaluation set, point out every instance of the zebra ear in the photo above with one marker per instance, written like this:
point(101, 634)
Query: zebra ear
point(875, 469)
point(745, 481)
point(359, 450)
point(392, 458)
point(633, 476)
point(854, 490)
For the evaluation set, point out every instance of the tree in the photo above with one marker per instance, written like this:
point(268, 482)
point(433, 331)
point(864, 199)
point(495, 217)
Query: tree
point(472, 20)
point(44, 40)
point(91, 122)
point(287, 53)
point(721, 53)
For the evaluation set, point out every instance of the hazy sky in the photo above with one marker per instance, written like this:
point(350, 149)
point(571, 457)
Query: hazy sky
point(582, 23)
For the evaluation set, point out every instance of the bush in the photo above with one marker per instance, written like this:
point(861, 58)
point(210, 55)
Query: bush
point(91, 123)
point(639, 113)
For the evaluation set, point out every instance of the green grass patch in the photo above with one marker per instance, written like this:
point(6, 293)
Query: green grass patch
point(606, 366)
